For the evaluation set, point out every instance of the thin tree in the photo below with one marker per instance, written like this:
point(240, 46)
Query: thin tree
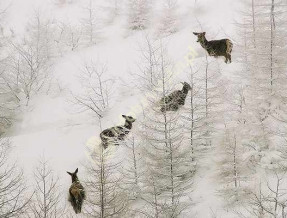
point(105, 198)
point(96, 91)
point(169, 19)
point(13, 191)
point(46, 202)
point(138, 14)
point(233, 172)
point(91, 24)
point(167, 158)
point(211, 97)
point(193, 116)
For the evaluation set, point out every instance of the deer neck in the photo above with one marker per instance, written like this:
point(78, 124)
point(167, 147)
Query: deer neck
point(185, 90)
point(75, 180)
point(204, 43)
point(128, 125)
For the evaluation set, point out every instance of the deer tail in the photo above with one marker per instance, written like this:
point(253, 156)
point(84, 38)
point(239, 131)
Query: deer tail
point(229, 46)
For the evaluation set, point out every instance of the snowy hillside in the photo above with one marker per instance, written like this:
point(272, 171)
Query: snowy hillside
point(70, 69)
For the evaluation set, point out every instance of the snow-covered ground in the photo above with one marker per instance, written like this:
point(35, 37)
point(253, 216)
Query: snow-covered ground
point(50, 126)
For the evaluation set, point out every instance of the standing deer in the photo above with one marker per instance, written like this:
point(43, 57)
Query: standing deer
point(173, 101)
point(76, 193)
point(222, 47)
point(117, 132)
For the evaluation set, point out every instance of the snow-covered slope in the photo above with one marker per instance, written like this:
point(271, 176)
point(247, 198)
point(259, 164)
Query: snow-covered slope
point(51, 127)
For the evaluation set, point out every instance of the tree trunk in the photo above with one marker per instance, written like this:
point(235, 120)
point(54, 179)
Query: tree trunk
point(272, 27)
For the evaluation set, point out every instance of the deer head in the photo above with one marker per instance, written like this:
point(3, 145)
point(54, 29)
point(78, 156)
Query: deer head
point(186, 86)
point(129, 118)
point(200, 37)
point(74, 175)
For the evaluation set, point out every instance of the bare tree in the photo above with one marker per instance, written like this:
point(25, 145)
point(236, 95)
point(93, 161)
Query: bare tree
point(96, 91)
point(269, 198)
point(211, 97)
point(8, 104)
point(40, 35)
point(169, 18)
point(91, 24)
point(167, 159)
point(138, 14)
point(132, 171)
point(233, 172)
point(193, 116)
point(13, 195)
point(105, 197)
point(132, 168)
point(46, 202)
point(25, 70)
point(68, 37)
point(27, 73)
point(264, 55)
point(146, 77)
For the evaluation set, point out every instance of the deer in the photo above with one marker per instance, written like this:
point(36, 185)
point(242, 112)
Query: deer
point(77, 193)
point(222, 47)
point(176, 99)
point(117, 132)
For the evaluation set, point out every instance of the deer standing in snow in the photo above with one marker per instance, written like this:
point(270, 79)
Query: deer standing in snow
point(76, 193)
point(222, 47)
point(117, 132)
point(173, 101)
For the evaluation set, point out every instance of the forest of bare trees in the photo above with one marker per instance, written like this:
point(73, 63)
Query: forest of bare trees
point(238, 124)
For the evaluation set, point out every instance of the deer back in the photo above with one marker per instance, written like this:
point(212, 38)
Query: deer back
point(77, 190)
point(217, 47)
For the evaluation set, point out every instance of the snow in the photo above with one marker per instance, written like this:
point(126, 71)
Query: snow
point(51, 127)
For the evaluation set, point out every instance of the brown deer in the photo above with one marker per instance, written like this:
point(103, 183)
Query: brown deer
point(173, 101)
point(77, 193)
point(111, 135)
point(222, 47)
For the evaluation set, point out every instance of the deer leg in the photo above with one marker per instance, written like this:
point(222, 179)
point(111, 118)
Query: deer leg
point(79, 205)
point(104, 143)
point(75, 206)
point(229, 55)
point(226, 58)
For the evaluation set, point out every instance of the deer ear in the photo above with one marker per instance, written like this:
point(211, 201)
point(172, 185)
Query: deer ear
point(76, 170)
point(195, 33)
point(69, 173)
